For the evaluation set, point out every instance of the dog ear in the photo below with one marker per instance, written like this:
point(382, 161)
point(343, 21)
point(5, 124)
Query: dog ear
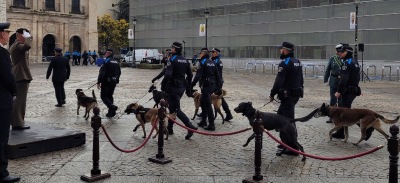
point(250, 103)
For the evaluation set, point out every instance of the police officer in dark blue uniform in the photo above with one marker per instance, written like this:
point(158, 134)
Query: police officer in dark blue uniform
point(108, 79)
point(218, 63)
point(61, 71)
point(176, 84)
point(288, 86)
point(348, 88)
point(210, 82)
point(8, 91)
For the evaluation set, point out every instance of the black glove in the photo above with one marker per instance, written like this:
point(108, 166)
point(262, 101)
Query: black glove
point(153, 80)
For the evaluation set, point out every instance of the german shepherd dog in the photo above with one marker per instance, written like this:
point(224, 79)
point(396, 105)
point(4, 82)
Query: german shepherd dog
point(157, 95)
point(144, 115)
point(87, 102)
point(344, 117)
point(216, 100)
point(272, 121)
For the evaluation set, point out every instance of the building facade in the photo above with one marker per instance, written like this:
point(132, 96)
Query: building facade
point(254, 28)
point(67, 24)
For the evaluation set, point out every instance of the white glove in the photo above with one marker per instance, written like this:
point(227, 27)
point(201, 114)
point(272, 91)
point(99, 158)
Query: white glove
point(26, 34)
point(14, 97)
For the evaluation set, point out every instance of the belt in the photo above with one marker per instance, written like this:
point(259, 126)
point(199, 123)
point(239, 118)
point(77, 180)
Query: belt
point(335, 76)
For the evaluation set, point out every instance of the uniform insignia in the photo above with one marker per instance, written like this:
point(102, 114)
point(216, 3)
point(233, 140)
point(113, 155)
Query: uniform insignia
point(168, 63)
point(344, 67)
point(280, 69)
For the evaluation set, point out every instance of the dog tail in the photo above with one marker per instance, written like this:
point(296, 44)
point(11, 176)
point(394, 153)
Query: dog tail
point(94, 96)
point(387, 121)
point(306, 118)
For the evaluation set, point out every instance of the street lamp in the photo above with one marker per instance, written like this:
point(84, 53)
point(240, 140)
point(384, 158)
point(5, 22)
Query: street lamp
point(357, 2)
point(206, 15)
point(184, 53)
point(134, 39)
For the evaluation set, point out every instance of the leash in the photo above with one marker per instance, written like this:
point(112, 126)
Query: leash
point(92, 86)
point(270, 102)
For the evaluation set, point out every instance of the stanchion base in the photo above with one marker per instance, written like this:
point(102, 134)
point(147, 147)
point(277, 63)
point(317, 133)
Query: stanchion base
point(162, 161)
point(250, 180)
point(92, 178)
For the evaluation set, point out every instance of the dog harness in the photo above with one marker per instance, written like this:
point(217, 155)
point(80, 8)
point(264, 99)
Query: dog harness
point(142, 111)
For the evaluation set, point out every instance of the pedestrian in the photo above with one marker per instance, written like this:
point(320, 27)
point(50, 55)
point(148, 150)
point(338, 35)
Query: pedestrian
point(332, 73)
point(107, 81)
point(79, 56)
point(210, 82)
point(61, 70)
point(288, 86)
point(89, 53)
point(20, 59)
point(8, 91)
point(167, 56)
point(177, 68)
point(215, 52)
point(348, 89)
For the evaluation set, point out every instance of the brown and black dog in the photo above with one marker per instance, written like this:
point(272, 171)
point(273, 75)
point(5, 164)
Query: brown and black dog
point(87, 102)
point(144, 115)
point(216, 101)
point(344, 117)
point(272, 121)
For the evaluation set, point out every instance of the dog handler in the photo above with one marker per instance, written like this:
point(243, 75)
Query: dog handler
point(108, 79)
point(288, 86)
point(210, 82)
point(175, 71)
point(61, 70)
point(8, 92)
point(218, 63)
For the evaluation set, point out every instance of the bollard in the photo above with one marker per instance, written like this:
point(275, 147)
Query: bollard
point(393, 148)
point(258, 130)
point(95, 173)
point(160, 157)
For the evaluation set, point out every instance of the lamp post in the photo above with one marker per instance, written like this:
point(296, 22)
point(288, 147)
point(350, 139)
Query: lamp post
point(357, 2)
point(134, 39)
point(184, 53)
point(206, 15)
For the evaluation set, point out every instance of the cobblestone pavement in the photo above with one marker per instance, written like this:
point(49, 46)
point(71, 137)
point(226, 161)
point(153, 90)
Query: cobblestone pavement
point(203, 158)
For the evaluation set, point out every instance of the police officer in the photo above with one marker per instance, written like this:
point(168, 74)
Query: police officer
point(8, 92)
point(210, 82)
point(108, 79)
point(332, 73)
point(217, 60)
point(175, 71)
point(61, 70)
point(348, 88)
point(166, 56)
point(288, 86)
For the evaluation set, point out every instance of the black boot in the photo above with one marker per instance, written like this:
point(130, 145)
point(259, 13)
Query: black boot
point(202, 123)
point(369, 133)
point(228, 116)
point(190, 133)
point(329, 121)
point(170, 129)
point(210, 127)
point(339, 134)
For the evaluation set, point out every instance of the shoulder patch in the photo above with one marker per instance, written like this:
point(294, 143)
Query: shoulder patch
point(168, 63)
point(344, 67)
point(280, 69)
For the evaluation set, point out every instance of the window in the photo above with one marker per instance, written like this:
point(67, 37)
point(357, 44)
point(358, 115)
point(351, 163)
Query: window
point(75, 7)
point(19, 3)
point(50, 5)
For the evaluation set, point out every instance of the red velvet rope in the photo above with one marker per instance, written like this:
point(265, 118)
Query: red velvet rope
point(324, 158)
point(133, 150)
point(206, 133)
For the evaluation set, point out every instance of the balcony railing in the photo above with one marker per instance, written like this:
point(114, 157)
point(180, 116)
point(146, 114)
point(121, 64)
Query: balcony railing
point(48, 6)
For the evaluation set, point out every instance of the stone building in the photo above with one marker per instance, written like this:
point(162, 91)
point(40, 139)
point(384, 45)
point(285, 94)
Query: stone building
point(68, 24)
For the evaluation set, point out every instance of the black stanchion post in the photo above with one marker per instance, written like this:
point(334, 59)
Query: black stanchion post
point(258, 130)
point(95, 173)
point(393, 148)
point(160, 157)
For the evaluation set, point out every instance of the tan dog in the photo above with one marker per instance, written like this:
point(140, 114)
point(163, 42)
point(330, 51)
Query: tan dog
point(344, 117)
point(87, 102)
point(144, 115)
point(216, 101)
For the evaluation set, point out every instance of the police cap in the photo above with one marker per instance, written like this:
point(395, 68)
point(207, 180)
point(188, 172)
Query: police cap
point(21, 30)
point(204, 49)
point(216, 50)
point(59, 50)
point(287, 45)
point(344, 48)
point(4, 27)
point(177, 45)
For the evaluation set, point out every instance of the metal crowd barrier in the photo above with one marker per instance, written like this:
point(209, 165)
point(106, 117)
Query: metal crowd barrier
point(390, 71)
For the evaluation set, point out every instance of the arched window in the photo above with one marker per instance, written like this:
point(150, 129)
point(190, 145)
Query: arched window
point(50, 5)
point(19, 3)
point(75, 6)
